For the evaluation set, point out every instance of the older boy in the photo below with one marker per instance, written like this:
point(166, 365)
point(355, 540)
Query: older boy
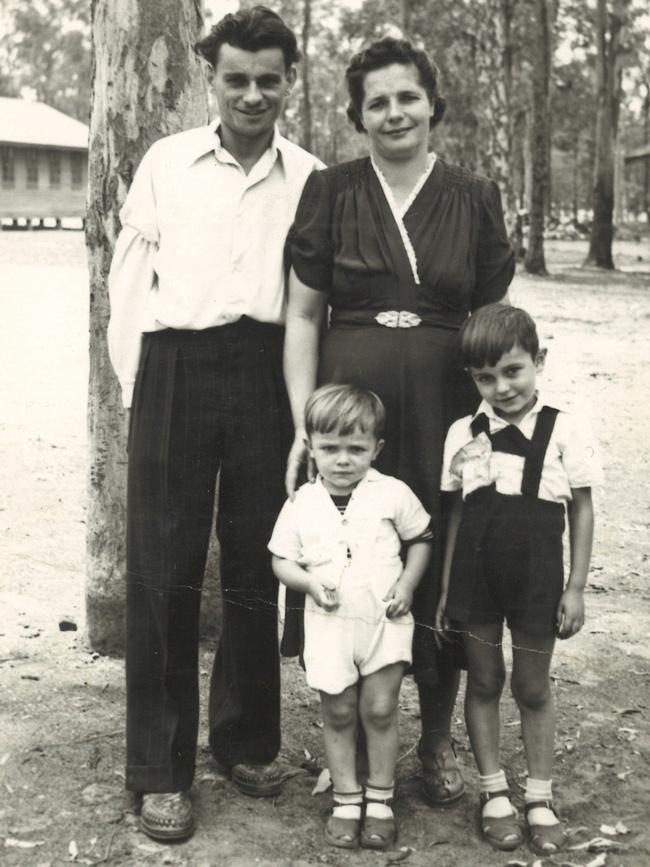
point(517, 464)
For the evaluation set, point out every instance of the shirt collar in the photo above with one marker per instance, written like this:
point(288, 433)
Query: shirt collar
point(372, 475)
point(542, 400)
point(208, 140)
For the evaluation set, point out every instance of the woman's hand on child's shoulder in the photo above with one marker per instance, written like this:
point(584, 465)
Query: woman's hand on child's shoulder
point(570, 613)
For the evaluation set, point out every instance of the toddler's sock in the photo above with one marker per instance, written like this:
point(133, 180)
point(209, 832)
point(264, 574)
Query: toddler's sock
point(347, 805)
point(495, 808)
point(539, 790)
point(379, 793)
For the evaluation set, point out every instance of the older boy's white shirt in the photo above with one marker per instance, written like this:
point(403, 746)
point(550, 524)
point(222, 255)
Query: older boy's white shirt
point(572, 458)
point(202, 242)
point(382, 511)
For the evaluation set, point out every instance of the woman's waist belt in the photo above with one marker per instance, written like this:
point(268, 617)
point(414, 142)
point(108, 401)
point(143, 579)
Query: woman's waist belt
point(398, 318)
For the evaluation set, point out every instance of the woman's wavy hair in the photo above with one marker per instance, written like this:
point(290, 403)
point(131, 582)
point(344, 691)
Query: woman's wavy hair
point(251, 30)
point(383, 53)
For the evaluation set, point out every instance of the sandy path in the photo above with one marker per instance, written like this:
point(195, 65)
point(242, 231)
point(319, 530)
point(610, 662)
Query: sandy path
point(61, 708)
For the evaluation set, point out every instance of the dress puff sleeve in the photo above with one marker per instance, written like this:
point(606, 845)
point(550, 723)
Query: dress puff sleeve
point(309, 243)
point(495, 258)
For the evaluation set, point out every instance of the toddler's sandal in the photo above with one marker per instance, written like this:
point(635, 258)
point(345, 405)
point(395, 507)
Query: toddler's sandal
point(376, 833)
point(545, 839)
point(342, 833)
point(502, 832)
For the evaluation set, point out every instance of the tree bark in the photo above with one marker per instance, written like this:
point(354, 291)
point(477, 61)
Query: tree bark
point(405, 17)
point(147, 83)
point(306, 80)
point(541, 76)
point(609, 28)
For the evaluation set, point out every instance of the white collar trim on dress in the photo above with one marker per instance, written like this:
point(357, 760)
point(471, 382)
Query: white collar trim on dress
point(399, 212)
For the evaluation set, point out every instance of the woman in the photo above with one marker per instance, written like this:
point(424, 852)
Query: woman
point(402, 247)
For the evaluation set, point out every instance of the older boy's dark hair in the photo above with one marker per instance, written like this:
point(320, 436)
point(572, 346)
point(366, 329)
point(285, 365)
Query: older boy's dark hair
point(250, 29)
point(344, 409)
point(383, 53)
point(495, 329)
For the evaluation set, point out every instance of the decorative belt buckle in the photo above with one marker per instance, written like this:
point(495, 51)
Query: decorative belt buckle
point(398, 319)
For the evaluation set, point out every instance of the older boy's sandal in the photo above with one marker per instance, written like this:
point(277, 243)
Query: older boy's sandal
point(167, 816)
point(502, 832)
point(545, 839)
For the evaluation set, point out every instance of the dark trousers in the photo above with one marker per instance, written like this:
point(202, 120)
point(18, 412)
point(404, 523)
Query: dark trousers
point(205, 403)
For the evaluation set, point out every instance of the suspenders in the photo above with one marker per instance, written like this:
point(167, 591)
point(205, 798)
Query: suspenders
point(512, 441)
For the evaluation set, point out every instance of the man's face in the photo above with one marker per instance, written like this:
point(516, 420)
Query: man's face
point(251, 88)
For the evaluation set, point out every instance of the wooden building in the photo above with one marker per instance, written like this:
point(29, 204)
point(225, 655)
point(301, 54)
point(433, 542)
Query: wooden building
point(43, 162)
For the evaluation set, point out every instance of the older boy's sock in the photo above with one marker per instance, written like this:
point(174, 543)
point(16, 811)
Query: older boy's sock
point(495, 808)
point(347, 805)
point(539, 790)
point(379, 793)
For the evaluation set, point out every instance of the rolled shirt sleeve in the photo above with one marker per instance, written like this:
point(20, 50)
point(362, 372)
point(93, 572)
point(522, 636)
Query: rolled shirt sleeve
point(411, 518)
point(285, 540)
point(579, 451)
point(132, 278)
point(459, 435)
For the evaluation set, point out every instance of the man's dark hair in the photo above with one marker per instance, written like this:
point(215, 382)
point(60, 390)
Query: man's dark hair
point(383, 53)
point(251, 30)
point(495, 329)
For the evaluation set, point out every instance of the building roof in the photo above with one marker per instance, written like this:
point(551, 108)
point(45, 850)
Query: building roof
point(38, 125)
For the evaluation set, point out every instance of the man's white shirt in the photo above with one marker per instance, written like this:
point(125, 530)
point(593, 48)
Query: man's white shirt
point(202, 242)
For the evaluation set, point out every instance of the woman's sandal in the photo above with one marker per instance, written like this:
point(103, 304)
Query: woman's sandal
point(342, 833)
point(378, 833)
point(442, 781)
point(545, 839)
point(502, 832)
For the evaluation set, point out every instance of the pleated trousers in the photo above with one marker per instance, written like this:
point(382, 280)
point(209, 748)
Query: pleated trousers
point(206, 403)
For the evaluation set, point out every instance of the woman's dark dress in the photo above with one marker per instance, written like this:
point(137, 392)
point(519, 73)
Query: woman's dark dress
point(345, 242)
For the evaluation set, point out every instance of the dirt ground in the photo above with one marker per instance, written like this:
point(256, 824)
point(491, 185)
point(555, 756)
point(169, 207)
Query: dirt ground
point(62, 706)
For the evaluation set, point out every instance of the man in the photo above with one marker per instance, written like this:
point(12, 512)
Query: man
point(195, 337)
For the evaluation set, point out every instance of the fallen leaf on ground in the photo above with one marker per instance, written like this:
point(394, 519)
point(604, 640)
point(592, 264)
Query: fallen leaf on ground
point(624, 775)
point(323, 782)
point(517, 864)
point(400, 854)
point(614, 830)
point(73, 850)
point(12, 842)
point(598, 861)
point(596, 844)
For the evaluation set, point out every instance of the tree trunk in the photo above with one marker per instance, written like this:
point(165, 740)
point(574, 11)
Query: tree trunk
point(405, 17)
point(608, 85)
point(147, 83)
point(540, 86)
point(306, 82)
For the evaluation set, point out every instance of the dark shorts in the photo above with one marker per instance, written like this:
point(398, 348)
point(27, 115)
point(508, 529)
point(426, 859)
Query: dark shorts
point(508, 564)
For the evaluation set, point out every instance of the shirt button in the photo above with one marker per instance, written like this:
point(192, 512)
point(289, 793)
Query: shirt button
point(344, 521)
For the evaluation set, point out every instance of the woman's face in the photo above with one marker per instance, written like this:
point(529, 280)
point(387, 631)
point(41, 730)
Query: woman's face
point(396, 111)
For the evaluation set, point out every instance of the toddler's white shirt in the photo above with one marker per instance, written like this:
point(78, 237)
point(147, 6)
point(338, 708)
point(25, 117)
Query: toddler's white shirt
point(382, 512)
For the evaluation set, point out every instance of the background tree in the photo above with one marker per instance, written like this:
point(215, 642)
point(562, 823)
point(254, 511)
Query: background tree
point(147, 83)
point(539, 133)
point(306, 83)
point(48, 44)
point(609, 65)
